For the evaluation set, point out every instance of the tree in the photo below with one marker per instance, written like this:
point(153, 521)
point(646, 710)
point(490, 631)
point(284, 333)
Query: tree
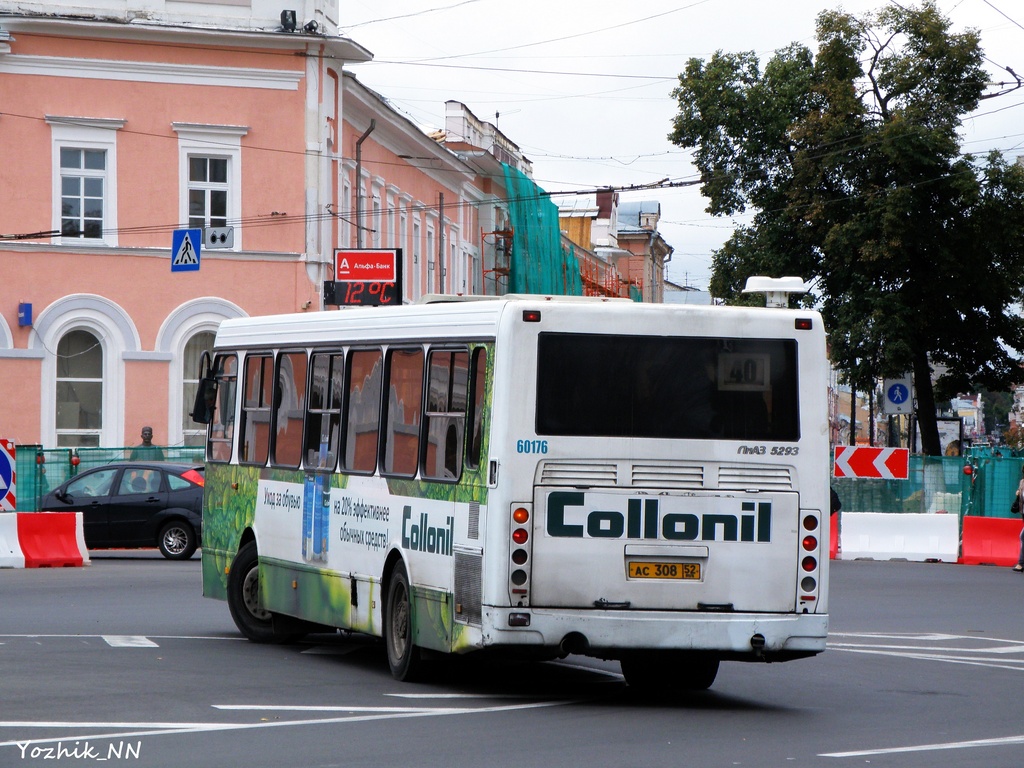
point(997, 410)
point(851, 161)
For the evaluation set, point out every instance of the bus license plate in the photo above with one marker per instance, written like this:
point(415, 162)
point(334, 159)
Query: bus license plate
point(642, 569)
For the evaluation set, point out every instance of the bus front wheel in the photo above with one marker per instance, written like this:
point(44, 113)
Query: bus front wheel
point(669, 672)
point(254, 621)
point(403, 655)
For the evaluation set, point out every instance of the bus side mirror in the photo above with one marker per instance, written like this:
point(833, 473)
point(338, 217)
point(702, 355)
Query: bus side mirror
point(206, 392)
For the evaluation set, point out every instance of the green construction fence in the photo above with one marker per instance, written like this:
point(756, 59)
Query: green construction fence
point(940, 484)
point(40, 470)
point(936, 484)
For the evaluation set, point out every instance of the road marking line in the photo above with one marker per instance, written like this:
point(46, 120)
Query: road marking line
point(948, 648)
point(460, 696)
point(92, 724)
point(302, 708)
point(922, 636)
point(188, 728)
point(158, 637)
point(128, 641)
point(1002, 742)
point(1001, 664)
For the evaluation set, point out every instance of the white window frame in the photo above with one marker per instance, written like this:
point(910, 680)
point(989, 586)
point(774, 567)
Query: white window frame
point(417, 248)
point(345, 216)
point(431, 259)
point(75, 432)
point(208, 187)
point(219, 141)
point(117, 335)
point(392, 215)
point(378, 220)
point(192, 317)
point(86, 133)
point(406, 246)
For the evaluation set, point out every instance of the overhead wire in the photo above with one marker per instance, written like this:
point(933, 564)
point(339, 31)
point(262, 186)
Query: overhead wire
point(260, 222)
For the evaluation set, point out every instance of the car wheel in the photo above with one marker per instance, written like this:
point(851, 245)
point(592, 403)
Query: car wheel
point(403, 656)
point(252, 620)
point(177, 540)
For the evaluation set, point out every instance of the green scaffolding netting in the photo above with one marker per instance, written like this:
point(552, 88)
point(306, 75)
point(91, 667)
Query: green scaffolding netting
point(539, 263)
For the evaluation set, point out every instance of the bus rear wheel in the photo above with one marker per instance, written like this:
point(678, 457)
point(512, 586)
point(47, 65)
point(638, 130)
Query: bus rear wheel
point(254, 621)
point(403, 656)
point(667, 672)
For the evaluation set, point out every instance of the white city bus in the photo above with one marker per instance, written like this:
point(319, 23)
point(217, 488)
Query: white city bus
point(540, 475)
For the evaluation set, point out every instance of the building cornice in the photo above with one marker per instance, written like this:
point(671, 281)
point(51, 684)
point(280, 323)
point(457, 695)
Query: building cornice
point(54, 249)
point(144, 30)
point(151, 72)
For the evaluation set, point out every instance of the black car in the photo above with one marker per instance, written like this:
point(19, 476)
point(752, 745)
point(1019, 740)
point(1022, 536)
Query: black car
point(136, 504)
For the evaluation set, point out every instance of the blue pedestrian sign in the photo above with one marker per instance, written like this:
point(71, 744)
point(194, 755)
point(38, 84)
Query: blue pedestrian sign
point(898, 397)
point(186, 245)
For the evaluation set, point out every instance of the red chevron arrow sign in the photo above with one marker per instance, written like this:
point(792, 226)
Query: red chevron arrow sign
point(862, 461)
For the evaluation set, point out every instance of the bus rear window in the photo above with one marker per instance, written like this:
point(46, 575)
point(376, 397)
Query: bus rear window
point(667, 387)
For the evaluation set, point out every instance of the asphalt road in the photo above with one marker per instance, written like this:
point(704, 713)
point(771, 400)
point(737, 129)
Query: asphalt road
point(123, 661)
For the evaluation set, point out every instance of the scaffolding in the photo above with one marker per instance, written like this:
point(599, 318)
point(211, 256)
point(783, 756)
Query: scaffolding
point(537, 262)
point(497, 252)
point(599, 280)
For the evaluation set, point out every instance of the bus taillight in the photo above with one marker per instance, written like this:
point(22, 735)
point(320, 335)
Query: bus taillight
point(519, 556)
point(810, 543)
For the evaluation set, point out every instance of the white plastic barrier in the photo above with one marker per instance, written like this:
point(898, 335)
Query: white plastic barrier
point(11, 555)
point(899, 536)
point(80, 539)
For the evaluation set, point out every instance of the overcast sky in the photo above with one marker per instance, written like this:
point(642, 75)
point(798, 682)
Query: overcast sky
point(583, 88)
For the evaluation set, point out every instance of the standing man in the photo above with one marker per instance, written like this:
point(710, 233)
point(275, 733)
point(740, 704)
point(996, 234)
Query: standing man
point(147, 451)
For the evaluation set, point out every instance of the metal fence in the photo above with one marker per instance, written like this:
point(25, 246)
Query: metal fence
point(940, 484)
point(41, 470)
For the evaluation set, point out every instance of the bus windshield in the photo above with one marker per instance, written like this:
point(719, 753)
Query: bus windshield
point(593, 385)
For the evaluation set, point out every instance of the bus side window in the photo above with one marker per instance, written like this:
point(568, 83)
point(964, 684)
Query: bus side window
point(256, 402)
point(447, 393)
point(223, 426)
point(401, 442)
point(362, 410)
point(476, 408)
point(323, 414)
point(290, 407)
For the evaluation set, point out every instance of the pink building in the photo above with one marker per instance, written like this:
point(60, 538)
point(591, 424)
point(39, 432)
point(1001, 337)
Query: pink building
point(124, 121)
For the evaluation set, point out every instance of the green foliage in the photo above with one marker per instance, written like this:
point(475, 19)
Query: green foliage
point(1014, 437)
point(997, 409)
point(850, 160)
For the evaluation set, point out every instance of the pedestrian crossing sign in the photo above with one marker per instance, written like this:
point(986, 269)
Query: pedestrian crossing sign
point(186, 245)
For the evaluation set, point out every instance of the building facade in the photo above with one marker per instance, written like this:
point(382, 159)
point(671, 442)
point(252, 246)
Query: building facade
point(626, 255)
point(124, 123)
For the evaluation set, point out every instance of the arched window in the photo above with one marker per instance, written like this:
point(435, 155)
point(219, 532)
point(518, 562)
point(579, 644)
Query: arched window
point(192, 433)
point(79, 400)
